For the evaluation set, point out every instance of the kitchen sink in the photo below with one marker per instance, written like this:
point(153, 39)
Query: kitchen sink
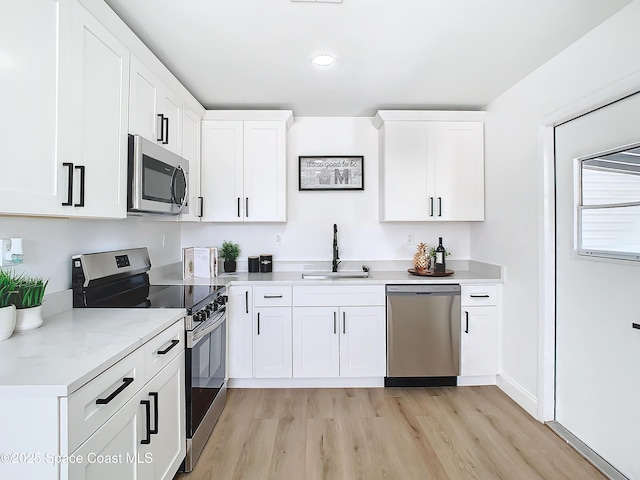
point(334, 275)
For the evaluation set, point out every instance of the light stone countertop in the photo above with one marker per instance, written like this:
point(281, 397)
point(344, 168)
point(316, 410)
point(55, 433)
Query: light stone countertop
point(73, 347)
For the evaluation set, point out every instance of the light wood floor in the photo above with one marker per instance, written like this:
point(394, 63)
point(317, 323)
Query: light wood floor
point(409, 434)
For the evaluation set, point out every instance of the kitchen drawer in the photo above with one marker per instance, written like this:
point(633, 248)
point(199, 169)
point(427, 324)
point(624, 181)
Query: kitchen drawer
point(344, 296)
point(112, 386)
point(275, 296)
point(477, 295)
point(163, 348)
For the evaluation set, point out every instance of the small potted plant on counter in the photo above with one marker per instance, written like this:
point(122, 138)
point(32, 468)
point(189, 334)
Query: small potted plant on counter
point(229, 252)
point(28, 302)
point(8, 288)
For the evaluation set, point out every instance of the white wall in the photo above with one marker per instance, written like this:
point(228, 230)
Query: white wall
point(49, 243)
point(513, 230)
point(308, 233)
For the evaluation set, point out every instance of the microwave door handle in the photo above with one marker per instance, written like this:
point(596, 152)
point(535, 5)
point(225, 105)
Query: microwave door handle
point(173, 187)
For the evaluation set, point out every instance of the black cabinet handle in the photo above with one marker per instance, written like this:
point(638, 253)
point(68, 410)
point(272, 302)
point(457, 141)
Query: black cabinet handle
point(201, 200)
point(154, 395)
point(126, 381)
point(334, 323)
point(484, 295)
point(466, 322)
point(82, 170)
point(636, 325)
point(165, 135)
point(173, 344)
point(246, 207)
point(439, 206)
point(246, 300)
point(344, 323)
point(431, 206)
point(272, 296)
point(238, 207)
point(258, 323)
point(147, 407)
point(160, 129)
point(69, 201)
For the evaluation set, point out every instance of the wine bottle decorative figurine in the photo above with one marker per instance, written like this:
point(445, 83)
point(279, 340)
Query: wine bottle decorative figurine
point(439, 266)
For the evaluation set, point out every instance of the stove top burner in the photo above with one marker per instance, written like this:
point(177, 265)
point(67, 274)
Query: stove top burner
point(191, 297)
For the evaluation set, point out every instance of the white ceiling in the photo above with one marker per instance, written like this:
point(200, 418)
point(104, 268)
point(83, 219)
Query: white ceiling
point(391, 54)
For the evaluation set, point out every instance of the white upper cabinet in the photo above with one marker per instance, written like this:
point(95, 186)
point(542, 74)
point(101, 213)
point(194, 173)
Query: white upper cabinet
point(75, 74)
point(155, 112)
point(244, 160)
point(431, 166)
point(191, 151)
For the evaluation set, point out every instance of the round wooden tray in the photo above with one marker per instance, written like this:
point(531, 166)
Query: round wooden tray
point(430, 273)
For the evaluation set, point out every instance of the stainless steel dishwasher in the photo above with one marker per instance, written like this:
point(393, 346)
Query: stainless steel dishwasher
point(423, 335)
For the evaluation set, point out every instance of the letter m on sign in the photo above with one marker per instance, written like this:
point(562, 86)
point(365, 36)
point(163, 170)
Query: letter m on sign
point(342, 177)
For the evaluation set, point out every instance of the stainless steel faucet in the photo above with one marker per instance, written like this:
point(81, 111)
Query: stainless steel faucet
point(335, 249)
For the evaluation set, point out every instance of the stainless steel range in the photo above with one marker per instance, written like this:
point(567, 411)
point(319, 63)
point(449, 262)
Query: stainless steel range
point(120, 279)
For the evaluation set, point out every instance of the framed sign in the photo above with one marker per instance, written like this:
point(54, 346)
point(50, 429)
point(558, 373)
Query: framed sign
point(331, 173)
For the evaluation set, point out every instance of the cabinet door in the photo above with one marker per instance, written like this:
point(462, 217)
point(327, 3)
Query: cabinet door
point(113, 451)
point(94, 76)
point(221, 172)
point(191, 151)
point(265, 175)
point(143, 109)
point(170, 105)
point(272, 342)
point(362, 342)
point(407, 172)
point(458, 150)
point(316, 342)
point(168, 447)
point(479, 344)
point(28, 183)
point(240, 328)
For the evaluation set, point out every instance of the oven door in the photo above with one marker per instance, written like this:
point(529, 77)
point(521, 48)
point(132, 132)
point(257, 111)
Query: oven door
point(158, 179)
point(206, 382)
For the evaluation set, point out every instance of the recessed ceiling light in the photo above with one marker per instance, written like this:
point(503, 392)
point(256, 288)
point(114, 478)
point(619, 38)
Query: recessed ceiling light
point(323, 60)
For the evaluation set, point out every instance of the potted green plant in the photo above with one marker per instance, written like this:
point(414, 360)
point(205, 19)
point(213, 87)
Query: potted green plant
point(229, 252)
point(8, 288)
point(28, 302)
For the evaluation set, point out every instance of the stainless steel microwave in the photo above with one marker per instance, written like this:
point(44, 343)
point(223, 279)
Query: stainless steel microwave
point(158, 180)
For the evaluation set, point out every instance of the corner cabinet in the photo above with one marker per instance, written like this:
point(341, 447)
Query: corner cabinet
point(244, 166)
point(431, 166)
point(73, 160)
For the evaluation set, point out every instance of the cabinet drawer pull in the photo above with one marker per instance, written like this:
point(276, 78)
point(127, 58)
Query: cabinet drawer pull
point(126, 381)
point(483, 295)
point(160, 128)
point(166, 350)
point(272, 296)
point(466, 322)
point(69, 201)
point(636, 325)
point(147, 408)
point(258, 323)
point(154, 430)
point(82, 170)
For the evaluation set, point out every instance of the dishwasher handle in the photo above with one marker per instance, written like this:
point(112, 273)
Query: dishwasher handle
point(432, 290)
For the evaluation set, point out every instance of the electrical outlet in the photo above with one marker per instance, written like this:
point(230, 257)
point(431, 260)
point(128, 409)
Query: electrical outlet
point(410, 239)
point(278, 238)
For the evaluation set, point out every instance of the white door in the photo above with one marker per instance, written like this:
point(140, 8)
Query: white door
point(222, 171)
point(597, 350)
point(170, 106)
point(28, 183)
point(143, 113)
point(316, 342)
point(272, 342)
point(93, 125)
point(479, 342)
point(191, 152)
point(265, 176)
point(458, 150)
point(240, 331)
point(362, 341)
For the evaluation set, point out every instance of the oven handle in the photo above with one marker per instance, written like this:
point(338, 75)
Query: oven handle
point(194, 336)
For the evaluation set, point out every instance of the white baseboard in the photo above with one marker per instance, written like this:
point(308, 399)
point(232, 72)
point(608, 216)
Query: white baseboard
point(373, 382)
point(519, 395)
point(476, 380)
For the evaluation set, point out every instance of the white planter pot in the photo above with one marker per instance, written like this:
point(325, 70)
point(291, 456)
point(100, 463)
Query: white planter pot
point(7, 321)
point(28, 318)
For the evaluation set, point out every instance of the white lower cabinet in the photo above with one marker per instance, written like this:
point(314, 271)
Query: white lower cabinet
point(338, 341)
point(480, 335)
point(272, 342)
point(240, 328)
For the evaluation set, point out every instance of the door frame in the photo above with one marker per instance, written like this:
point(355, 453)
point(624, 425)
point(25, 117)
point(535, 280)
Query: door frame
point(547, 234)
